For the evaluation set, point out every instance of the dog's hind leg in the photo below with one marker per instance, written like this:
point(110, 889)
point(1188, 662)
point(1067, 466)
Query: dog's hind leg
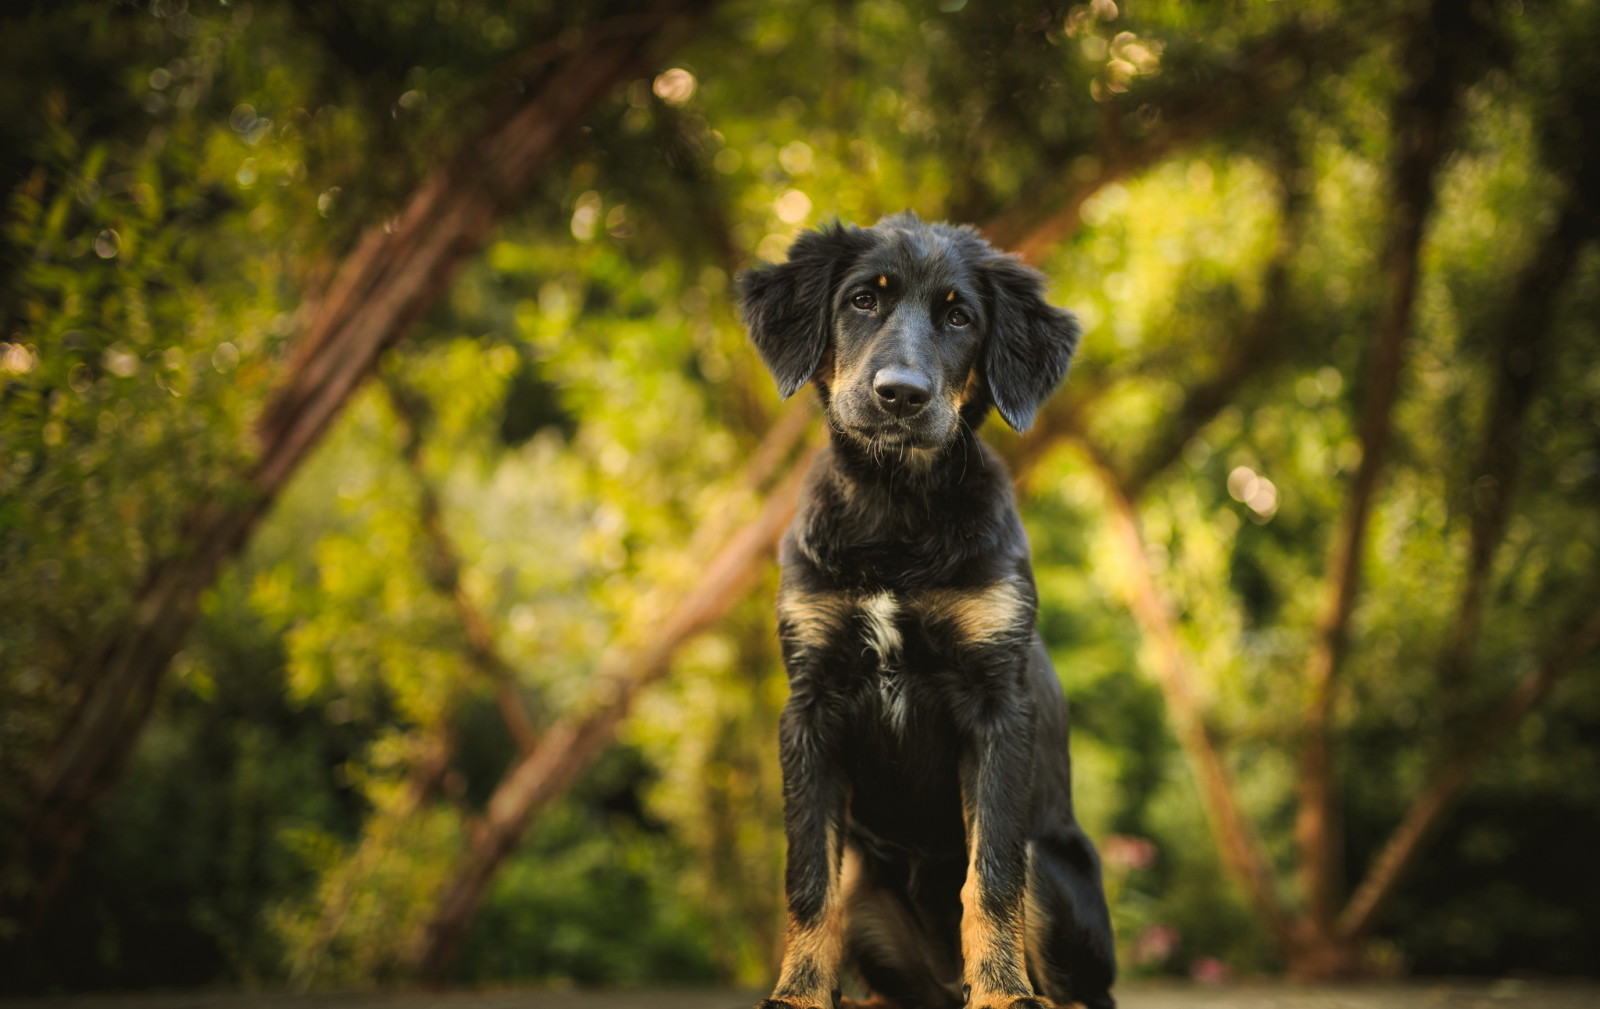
point(892, 951)
point(1071, 957)
point(895, 958)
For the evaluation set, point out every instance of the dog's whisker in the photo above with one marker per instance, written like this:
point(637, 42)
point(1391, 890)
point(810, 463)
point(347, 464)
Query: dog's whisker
point(962, 430)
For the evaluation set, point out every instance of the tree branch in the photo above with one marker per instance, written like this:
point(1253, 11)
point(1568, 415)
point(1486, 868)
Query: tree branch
point(1241, 849)
point(1437, 796)
point(1259, 83)
point(1257, 346)
point(1422, 115)
point(444, 571)
point(1524, 332)
point(789, 430)
point(1519, 363)
point(426, 772)
point(1254, 352)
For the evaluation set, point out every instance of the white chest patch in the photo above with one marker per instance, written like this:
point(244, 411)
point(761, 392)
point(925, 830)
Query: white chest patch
point(878, 614)
point(892, 691)
point(883, 636)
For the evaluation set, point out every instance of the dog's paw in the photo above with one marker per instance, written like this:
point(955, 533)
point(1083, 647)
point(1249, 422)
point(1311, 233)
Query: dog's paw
point(1008, 1002)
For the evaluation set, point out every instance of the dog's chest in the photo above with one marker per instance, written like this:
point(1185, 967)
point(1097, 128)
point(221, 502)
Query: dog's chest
point(868, 644)
point(899, 654)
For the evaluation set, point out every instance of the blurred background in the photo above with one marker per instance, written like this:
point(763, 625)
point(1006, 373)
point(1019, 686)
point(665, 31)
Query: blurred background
point(388, 492)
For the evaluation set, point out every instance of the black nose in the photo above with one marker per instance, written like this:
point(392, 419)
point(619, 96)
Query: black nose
point(900, 391)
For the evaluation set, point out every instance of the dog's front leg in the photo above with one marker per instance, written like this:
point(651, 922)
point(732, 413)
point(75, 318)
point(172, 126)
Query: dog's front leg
point(814, 801)
point(997, 793)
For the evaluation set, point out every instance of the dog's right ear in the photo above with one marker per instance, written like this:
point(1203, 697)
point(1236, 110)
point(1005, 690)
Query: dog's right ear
point(789, 308)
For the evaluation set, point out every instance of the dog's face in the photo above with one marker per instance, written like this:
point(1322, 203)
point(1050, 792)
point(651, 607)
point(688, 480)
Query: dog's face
point(908, 321)
point(908, 329)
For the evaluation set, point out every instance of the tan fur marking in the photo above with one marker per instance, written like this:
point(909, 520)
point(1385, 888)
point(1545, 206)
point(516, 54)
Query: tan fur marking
point(980, 616)
point(977, 932)
point(818, 949)
point(883, 280)
point(982, 940)
point(968, 391)
point(813, 618)
point(951, 296)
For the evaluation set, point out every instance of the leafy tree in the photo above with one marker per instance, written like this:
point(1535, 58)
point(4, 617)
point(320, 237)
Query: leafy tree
point(464, 672)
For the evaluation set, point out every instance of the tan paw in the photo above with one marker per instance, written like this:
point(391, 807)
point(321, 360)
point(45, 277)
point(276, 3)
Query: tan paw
point(998, 1001)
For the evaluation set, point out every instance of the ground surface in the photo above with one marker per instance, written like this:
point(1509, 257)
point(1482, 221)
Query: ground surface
point(1135, 995)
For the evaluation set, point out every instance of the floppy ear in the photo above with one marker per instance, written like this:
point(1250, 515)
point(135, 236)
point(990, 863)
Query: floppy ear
point(1030, 342)
point(789, 308)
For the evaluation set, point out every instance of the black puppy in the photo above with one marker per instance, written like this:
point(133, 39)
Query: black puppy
point(927, 791)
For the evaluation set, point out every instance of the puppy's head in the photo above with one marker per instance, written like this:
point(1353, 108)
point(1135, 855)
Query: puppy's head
point(907, 328)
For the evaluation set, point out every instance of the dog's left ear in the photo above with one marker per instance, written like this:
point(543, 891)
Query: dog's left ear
point(789, 308)
point(1030, 341)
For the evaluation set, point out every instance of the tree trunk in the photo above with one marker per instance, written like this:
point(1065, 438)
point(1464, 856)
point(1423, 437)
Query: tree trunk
point(1519, 359)
point(1452, 773)
point(1242, 853)
point(444, 572)
point(395, 274)
point(1436, 50)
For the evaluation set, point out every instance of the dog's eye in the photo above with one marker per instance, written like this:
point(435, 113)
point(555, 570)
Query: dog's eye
point(866, 301)
point(958, 318)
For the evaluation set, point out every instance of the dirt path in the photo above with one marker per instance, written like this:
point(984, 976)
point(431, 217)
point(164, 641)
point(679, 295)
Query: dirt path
point(1136, 995)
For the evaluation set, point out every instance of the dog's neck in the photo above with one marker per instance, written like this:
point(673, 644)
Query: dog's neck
point(867, 515)
point(910, 477)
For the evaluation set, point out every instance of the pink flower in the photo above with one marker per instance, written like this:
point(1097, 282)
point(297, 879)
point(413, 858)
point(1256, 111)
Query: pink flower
point(1210, 970)
point(1155, 944)
point(1124, 851)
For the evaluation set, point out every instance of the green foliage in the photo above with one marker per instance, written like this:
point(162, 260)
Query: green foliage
point(182, 179)
point(187, 858)
point(594, 897)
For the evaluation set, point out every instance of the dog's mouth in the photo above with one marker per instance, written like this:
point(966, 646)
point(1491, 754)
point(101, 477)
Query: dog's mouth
point(897, 434)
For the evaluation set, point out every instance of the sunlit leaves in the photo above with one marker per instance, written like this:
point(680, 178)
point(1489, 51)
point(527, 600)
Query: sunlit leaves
point(586, 403)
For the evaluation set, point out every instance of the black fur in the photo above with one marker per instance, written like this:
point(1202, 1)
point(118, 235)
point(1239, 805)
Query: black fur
point(1032, 343)
point(924, 744)
point(786, 307)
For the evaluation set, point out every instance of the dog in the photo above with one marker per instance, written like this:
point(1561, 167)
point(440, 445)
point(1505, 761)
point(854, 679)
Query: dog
point(932, 848)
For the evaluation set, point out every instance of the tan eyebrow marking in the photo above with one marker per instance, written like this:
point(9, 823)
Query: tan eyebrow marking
point(951, 296)
point(883, 280)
